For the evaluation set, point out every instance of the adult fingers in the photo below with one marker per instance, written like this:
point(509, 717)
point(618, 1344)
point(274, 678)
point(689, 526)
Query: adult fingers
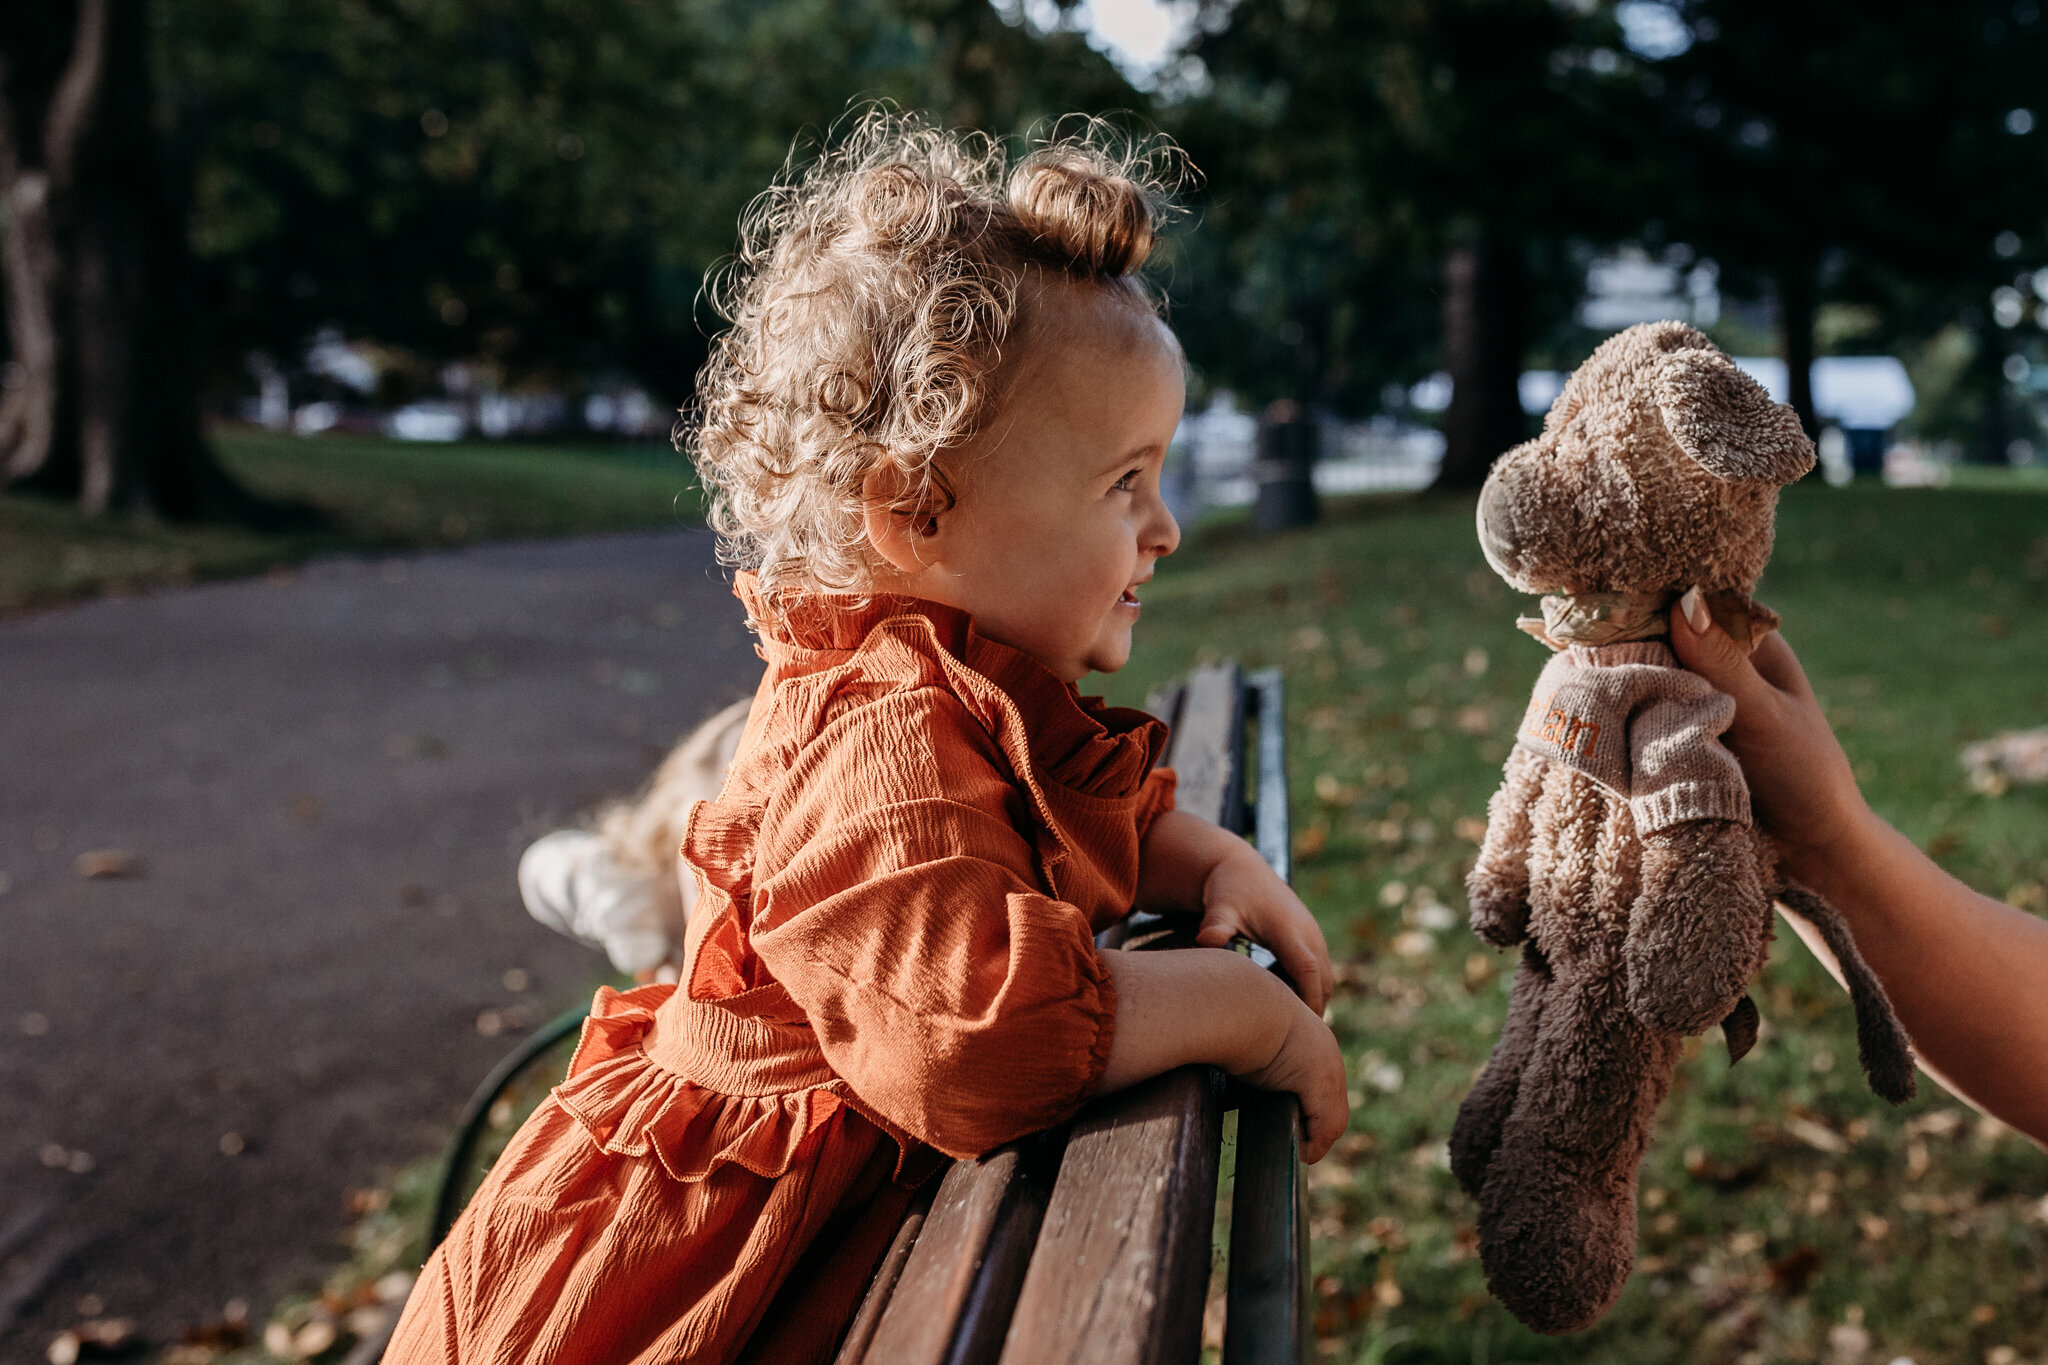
point(1707, 650)
point(1777, 665)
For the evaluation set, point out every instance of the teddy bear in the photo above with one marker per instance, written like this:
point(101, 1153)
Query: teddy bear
point(1619, 851)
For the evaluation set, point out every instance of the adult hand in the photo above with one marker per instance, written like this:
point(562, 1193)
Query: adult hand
point(1801, 788)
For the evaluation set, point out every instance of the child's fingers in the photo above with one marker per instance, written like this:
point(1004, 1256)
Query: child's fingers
point(1220, 924)
point(1309, 970)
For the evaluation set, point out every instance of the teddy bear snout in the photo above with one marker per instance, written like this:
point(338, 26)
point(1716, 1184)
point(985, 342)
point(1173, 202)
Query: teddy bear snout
point(1522, 507)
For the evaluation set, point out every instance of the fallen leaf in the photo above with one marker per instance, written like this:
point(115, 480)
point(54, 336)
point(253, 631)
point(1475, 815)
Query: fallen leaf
point(1414, 943)
point(1790, 1273)
point(105, 864)
point(315, 1337)
point(1818, 1136)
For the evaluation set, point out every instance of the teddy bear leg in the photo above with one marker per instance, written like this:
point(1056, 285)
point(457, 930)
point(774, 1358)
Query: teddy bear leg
point(1557, 1212)
point(1475, 1137)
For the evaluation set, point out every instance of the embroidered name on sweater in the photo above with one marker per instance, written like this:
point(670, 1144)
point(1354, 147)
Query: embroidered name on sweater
point(1642, 728)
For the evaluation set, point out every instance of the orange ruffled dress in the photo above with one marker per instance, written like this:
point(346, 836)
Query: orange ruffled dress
point(892, 958)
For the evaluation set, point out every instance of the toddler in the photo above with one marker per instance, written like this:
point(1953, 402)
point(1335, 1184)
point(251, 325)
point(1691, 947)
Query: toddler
point(932, 437)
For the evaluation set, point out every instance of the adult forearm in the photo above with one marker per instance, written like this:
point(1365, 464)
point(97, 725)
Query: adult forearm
point(1189, 1005)
point(1968, 975)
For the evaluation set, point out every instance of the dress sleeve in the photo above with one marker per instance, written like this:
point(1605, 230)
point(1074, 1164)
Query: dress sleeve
point(900, 906)
point(1155, 798)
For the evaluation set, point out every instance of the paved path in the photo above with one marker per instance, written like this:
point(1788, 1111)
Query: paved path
point(328, 777)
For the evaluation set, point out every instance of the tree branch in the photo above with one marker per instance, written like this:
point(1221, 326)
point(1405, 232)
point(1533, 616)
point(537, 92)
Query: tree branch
point(77, 99)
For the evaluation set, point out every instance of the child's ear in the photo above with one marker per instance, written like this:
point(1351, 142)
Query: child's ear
point(900, 519)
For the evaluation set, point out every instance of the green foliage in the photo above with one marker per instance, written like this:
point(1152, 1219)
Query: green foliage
point(539, 183)
point(1349, 144)
point(1786, 1209)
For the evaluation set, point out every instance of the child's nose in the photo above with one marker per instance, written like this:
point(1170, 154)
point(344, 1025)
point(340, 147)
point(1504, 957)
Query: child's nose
point(1165, 531)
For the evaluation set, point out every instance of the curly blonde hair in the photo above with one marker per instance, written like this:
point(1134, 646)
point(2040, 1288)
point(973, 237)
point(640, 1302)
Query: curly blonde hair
point(870, 301)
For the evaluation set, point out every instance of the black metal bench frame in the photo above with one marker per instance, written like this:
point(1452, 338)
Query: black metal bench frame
point(1091, 1243)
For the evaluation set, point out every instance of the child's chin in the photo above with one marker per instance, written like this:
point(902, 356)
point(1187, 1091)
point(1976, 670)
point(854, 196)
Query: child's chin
point(1109, 660)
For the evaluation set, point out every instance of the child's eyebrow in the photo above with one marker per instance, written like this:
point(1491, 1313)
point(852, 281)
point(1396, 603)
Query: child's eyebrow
point(1135, 455)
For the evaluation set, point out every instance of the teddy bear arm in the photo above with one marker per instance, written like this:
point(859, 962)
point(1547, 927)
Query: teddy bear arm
point(1698, 928)
point(1498, 886)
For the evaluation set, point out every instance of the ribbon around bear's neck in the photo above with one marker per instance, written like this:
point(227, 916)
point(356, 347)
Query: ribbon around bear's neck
point(1615, 618)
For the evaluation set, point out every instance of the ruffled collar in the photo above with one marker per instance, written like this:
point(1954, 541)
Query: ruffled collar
point(1080, 743)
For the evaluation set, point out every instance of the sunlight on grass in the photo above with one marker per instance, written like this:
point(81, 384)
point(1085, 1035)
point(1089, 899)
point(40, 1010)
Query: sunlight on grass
point(1788, 1213)
point(378, 494)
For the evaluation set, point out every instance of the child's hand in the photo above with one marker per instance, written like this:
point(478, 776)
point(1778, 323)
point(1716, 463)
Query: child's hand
point(1242, 895)
point(1309, 1064)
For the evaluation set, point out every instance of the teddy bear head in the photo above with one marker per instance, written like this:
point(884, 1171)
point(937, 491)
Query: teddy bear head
point(1658, 468)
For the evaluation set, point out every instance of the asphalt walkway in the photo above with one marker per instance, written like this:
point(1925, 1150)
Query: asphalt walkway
point(324, 779)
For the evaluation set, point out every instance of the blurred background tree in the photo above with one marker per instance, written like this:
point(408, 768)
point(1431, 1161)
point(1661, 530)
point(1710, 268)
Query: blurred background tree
point(535, 188)
point(101, 399)
point(532, 186)
point(1394, 182)
point(1860, 153)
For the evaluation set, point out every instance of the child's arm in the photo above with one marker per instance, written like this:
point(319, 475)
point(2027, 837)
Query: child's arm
point(1187, 863)
point(1246, 1021)
point(903, 911)
point(1964, 972)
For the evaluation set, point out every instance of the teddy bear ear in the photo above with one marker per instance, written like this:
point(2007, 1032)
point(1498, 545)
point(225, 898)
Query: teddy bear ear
point(1725, 421)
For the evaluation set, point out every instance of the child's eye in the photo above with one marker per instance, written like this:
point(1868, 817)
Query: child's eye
point(1127, 482)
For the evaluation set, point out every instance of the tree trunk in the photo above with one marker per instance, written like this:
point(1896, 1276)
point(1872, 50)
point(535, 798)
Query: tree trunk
point(1796, 304)
point(1994, 422)
point(1485, 319)
point(101, 401)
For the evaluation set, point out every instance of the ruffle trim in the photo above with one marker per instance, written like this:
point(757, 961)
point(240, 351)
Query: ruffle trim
point(632, 1106)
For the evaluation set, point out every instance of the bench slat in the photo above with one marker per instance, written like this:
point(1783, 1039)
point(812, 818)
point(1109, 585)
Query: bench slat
point(1118, 1277)
point(1268, 1318)
point(1267, 1293)
point(1202, 754)
point(959, 1281)
point(861, 1333)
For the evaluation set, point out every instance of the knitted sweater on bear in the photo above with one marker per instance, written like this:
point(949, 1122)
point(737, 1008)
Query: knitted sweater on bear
point(1629, 718)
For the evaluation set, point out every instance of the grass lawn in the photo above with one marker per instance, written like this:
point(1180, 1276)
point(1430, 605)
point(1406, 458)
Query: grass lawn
point(379, 495)
point(1788, 1214)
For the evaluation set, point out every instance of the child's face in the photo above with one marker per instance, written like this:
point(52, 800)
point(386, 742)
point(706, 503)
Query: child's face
point(1059, 518)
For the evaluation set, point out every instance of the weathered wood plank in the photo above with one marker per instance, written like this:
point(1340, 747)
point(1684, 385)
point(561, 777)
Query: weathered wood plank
point(853, 1349)
point(1204, 749)
point(960, 1278)
point(1266, 1320)
point(1266, 1305)
point(1118, 1277)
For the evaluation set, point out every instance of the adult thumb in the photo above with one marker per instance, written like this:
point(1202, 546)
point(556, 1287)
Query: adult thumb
point(1703, 647)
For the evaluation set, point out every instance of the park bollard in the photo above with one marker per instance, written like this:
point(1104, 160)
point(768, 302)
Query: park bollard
point(1284, 472)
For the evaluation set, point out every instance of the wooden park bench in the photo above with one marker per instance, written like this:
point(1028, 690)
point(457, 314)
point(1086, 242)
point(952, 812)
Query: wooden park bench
point(1092, 1243)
